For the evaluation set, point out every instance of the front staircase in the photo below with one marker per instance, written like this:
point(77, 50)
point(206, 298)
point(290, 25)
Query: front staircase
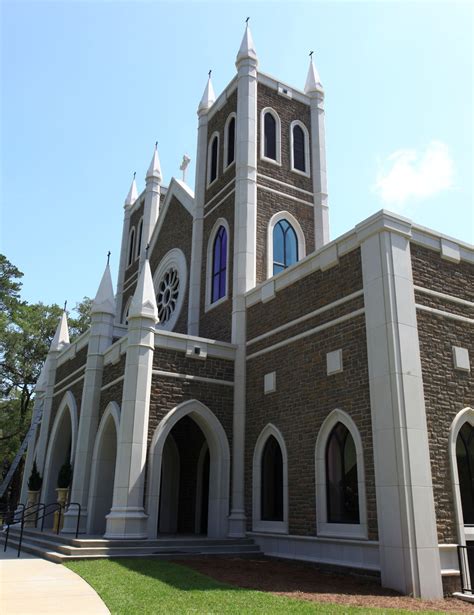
point(61, 548)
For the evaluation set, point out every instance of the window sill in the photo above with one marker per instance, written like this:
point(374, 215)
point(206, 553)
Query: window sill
point(276, 527)
point(229, 166)
point(211, 306)
point(342, 530)
point(277, 163)
point(298, 172)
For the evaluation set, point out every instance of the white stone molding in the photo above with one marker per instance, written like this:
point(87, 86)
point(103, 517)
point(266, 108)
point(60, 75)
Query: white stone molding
point(301, 247)
point(131, 247)
point(274, 84)
point(226, 166)
point(409, 553)
point(461, 359)
point(464, 416)
point(219, 203)
point(276, 117)
point(269, 383)
point(192, 378)
point(182, 343)
point(444, 296)
point(448, 315)
point(324, 527)
point(285, 195)
point(219, 465)
point(318, 170)
point(306, 173)
point(67, 410)
point(139, 244)
point(218, 194)
point(199, 485)
point(334, 364)
point(176, 259)
point(101, 480)
point(215, 135)
point(277, 181)
point(259, 524)
point(210, 263)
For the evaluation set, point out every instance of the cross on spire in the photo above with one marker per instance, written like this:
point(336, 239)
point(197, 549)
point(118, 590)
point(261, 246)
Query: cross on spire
point(209, 73)
point(134, 174)
point(247, 20)
point(108, 257)
point(311, 54)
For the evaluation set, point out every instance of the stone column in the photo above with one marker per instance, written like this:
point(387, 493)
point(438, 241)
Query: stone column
point(127, 519)
point(409, 553)
point(100, 338)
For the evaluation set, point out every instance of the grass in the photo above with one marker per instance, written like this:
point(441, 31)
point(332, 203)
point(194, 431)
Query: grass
point(146, 586)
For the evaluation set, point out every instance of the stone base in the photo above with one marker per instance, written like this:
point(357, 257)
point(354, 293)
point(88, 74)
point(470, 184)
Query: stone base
point(126, 523)
point(70, 521)
point(237, 525)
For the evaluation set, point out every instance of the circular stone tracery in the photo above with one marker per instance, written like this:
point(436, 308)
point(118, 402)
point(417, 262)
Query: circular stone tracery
point(168, 292)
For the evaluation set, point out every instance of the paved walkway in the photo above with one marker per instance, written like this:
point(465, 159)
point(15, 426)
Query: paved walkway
point(30, 585)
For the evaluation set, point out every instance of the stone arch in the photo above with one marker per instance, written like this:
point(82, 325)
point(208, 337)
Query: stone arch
point(258, 523)
point(464, 416)
point(104, 459)
point(219, 465)
point(63, 435)
point(324, 528)
point(284, 215)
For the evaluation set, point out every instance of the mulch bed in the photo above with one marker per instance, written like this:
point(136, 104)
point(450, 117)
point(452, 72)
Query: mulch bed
point(306, 582)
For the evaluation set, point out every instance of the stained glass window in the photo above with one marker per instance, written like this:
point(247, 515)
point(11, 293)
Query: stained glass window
point(219, 265)
point(342, 488)
point(285, 246)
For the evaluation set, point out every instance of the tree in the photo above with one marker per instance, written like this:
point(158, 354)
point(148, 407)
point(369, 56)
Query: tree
point(26, 332)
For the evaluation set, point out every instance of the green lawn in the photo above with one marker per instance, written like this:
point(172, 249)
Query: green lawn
point(143, 586)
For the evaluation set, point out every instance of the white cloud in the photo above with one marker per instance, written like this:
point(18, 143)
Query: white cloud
point(408, 175)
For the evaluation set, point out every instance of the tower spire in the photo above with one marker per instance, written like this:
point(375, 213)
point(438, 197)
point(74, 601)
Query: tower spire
point(61, 337)
point(313, 80)
point(154, 170)
point(132, 193)
point(209, 97)
point(104, 301)
point(247, 47)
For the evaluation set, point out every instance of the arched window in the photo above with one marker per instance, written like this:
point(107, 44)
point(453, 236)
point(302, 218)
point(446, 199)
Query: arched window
point(271, 487)
point(299, 161)
point(139, 237)
point(465, 462)
point(285, 246)
point(342, 492)
point(270, 147)
point(219, 265)
point(131, 247)
point(213, 158)
point(229, 141)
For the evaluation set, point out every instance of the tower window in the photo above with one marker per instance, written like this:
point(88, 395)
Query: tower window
point(270, 146)
point(139, 238)
point(341, 477)
point(230, 142)
point(219, 265)
point(213, 158)
point(299, 161)
point(131, 247)
point(272, 481)
point(285, 246)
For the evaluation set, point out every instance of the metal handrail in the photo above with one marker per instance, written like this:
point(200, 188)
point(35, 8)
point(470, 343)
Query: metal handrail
point(59, 508)
point(463, 558)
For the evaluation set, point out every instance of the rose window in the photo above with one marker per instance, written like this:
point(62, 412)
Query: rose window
point(168, 292)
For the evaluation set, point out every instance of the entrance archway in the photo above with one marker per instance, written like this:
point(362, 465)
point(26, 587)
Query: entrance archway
point(103, 470)
point(61, 448)
point(191, 425)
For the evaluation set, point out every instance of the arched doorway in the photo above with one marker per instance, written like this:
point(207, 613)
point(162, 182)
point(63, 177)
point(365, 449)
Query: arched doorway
point(198, 456)
point(61, 448)
point(103, 470)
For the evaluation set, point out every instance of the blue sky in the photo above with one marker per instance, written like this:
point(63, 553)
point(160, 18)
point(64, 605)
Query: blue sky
point(87, 88)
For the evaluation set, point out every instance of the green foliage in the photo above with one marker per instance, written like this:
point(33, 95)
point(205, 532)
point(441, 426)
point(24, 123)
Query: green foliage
point(149, 586)
point(35, 481)
point(65, 475)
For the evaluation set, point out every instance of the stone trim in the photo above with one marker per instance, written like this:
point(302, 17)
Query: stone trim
point(277, 181)
point(180, 342)
point(232, 181)
point(284, 215)
point(159, 372)
point(444, 296)
point(110, 384)
point(284, 194)
point(69, 385)
point(69, 376)
point(450, 315)
point(224, 198)
point(70, 351)
point(271, 82)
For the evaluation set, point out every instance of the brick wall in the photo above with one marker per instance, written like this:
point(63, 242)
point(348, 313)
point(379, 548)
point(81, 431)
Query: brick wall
point(446, 390)
point(112, 371)
point(176, 232)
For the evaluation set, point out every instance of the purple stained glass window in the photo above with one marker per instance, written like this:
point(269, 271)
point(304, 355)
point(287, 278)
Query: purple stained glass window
point(219, 265)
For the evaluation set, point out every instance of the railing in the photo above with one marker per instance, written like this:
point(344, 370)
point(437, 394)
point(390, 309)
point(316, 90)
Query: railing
point(24, 515)
point(466, 567)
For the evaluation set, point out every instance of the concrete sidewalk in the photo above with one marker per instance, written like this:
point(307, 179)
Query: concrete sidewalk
point(30, 585)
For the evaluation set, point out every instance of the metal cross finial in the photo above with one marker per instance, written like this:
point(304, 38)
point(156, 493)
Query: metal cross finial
point(134, 174)
point(146, 251)
point(108, 257)
point(247, 20)
point(156, 144)
point(311, 54)
point(65, 305)
point(209, 73)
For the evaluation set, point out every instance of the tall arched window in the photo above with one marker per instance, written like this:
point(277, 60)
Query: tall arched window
point(465, 461)
point(270, 144)
point(271, 487)
point(285, 246)
point(299, 161)
point(342, 492)
point(219, 265)
point(213, 158)
point(229, 141)
point(131, 247)
point(139, 237)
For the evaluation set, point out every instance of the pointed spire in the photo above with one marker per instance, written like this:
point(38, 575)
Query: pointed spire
point(208, 98)
point(144, 301)
point(247, 47)
point(154, 170)
point(313, 80)
point(132, 195)
point(61, 337)
point(104, 302)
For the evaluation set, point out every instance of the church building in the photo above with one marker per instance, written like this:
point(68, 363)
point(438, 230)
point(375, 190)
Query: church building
point(252, 378)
